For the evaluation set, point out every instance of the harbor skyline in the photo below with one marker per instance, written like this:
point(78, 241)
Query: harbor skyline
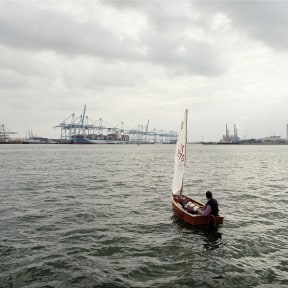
point(134, 61)
point(75, 125)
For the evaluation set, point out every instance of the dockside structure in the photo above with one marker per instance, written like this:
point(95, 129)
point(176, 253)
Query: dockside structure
point(82, 126)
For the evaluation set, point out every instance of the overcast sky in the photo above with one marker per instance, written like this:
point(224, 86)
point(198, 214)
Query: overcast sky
point(139, 60)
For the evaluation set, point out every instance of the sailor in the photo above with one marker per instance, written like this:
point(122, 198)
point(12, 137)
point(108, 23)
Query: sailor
point(211, 207)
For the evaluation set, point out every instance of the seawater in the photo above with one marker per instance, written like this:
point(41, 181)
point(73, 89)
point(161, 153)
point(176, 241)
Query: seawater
point(101, 216)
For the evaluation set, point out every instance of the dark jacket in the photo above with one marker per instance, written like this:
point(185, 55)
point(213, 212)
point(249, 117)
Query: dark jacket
point(214, 206)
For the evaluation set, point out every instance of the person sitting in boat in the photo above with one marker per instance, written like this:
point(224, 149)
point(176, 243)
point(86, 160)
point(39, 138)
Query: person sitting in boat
point(211, 207)
point(188, 205)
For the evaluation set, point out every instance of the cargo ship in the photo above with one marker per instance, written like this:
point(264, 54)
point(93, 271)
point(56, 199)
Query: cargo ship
point(115, 138)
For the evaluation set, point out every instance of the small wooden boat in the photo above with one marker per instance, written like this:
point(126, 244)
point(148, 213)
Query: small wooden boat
point(185, 207)
point(191, 217)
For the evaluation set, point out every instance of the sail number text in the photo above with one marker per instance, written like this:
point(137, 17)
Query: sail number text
point(181, 153)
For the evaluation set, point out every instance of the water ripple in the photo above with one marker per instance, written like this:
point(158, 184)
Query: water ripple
point(100, 216)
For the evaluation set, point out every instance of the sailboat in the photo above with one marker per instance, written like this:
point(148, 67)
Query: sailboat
point(185, 207)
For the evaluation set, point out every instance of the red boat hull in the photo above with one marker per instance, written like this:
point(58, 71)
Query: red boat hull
point(193, 219)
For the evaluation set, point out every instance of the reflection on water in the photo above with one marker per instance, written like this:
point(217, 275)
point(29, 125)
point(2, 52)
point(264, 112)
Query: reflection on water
point(213, 240)
point(210, 235)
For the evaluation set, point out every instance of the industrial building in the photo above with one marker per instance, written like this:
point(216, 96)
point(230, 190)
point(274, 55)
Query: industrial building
point(228, 138)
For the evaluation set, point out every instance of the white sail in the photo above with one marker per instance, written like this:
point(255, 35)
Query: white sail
point(180, 157)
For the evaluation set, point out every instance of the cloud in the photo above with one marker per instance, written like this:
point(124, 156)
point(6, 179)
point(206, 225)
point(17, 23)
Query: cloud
point(265, 21)
point(137, 60)
point(161, 43)
point(29, 27)
point(170, 40)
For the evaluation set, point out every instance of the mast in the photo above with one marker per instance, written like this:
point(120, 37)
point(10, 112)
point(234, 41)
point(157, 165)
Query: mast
point(185, 146)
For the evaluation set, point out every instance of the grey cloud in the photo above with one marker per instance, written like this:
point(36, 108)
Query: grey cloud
point(30, 28)
point(186, 55)
point(165, 42)
point(33, 29)
point(266, 21)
